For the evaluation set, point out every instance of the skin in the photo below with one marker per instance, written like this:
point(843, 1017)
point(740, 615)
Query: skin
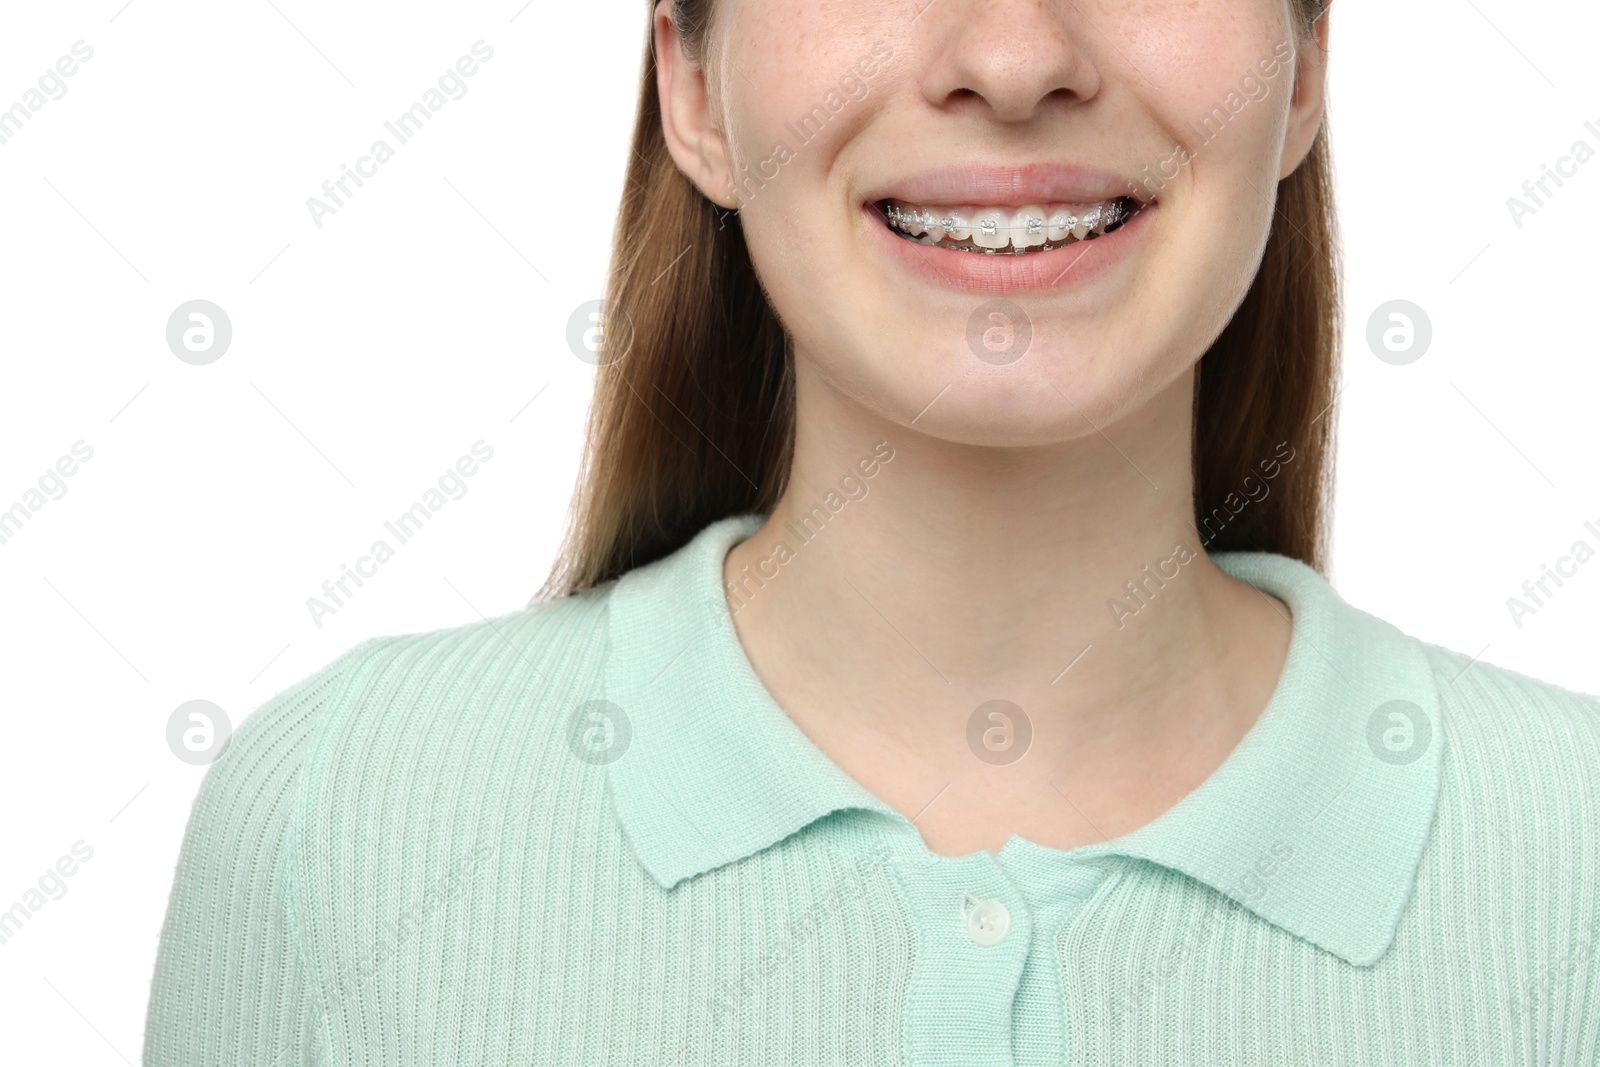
point(1021, 496)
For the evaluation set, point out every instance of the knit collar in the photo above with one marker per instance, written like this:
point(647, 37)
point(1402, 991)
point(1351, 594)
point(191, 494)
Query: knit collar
point(1316, 821)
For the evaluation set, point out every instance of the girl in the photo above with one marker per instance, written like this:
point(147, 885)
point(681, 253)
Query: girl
point(940, 669)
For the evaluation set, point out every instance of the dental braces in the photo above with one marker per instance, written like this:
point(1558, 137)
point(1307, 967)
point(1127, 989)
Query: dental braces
point(1096, 218)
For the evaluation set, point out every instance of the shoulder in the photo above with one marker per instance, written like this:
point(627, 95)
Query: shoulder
point(517, 670)
point(1509, 726)
point(451, 758)
point(551, 640)
point(469, 707)
point(1519, 787)
point(375, 771)
point(248, 783)
point(1514, 842)
point(393, 691)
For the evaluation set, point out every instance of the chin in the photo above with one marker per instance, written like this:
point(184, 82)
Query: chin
point(1056, 398)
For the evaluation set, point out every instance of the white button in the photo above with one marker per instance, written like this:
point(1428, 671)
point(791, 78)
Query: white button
point(987, 920)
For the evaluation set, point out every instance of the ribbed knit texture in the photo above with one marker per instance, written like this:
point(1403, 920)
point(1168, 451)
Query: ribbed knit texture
point(405, 860)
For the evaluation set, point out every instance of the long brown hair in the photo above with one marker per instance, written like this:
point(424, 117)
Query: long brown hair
point(695, 420)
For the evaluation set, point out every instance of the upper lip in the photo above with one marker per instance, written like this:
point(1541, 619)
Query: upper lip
point(1003, 186)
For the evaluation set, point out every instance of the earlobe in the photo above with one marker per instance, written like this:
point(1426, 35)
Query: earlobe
point(696, 144)
point(1307, 105)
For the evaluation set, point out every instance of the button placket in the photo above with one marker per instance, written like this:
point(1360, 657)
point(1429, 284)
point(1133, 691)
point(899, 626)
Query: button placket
point(973, 933)
point(1056, 888)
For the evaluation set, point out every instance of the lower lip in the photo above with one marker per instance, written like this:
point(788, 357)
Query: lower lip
point(1007, 272)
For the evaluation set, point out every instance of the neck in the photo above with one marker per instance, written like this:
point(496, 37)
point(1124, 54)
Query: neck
point(1068, 579)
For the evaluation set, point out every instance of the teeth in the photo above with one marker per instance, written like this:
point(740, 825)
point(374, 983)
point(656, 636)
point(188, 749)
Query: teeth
point(1061, 224)
point(1086, 222)
point(993, 229)
point(1027, 227)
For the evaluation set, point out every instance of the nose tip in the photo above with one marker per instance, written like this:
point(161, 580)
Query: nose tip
point(1013, 58)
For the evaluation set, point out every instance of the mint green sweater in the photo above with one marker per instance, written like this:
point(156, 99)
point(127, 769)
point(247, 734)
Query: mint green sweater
point(583, 833)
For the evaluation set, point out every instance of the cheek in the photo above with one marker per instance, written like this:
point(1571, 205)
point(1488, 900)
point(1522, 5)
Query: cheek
point(800, 79)
point(801, 90)
point(1213, 74)
point(1222, 102)
point(794, 78)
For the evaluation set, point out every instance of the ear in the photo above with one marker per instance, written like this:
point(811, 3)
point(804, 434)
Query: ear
point(1307, 103)
point(698, 147)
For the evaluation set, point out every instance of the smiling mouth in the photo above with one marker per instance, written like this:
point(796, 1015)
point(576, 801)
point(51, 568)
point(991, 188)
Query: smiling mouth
point(1012, 231)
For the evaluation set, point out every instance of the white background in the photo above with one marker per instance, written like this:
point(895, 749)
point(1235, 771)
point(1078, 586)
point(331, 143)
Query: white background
point(431, 312)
